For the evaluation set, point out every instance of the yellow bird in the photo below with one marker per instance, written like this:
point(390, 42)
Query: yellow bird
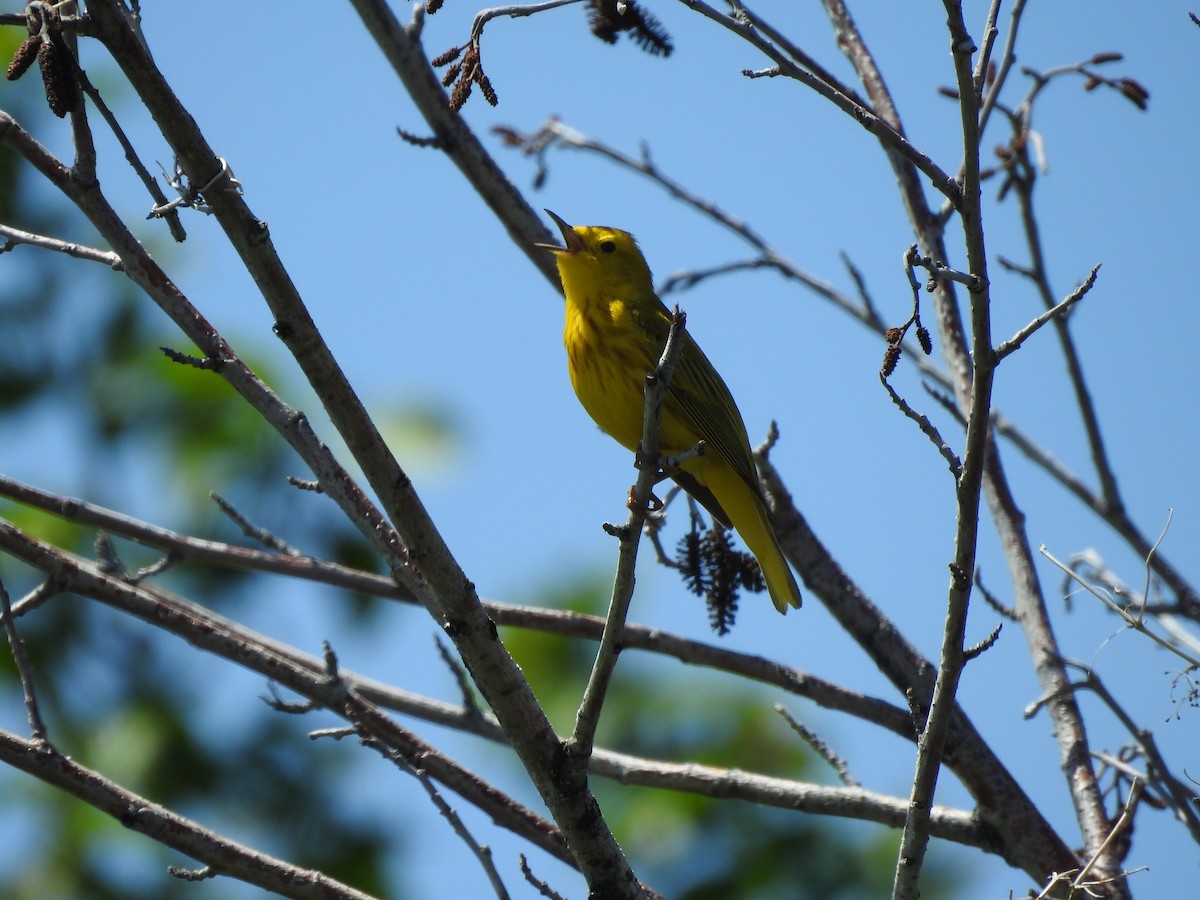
point(615, 331)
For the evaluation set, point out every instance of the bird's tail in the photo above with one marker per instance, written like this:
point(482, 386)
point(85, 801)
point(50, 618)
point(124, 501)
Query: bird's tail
point(746, 510)
point(781, 583)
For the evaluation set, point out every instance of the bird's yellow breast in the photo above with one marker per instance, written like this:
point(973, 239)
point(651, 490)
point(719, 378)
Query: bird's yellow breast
point(608, 362)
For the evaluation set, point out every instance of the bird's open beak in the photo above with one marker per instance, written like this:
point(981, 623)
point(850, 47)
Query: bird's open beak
point(573, 243)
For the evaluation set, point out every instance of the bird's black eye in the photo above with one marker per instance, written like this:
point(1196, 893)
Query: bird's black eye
point(608, 246)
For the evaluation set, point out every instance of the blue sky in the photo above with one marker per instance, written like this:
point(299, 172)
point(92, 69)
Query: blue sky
point(427, 303)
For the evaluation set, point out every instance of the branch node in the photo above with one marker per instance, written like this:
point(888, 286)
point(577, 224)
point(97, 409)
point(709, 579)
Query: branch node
point(183, 874)
point(983, 646)
point(433, 141)
point(207, 363)
point(306, 484)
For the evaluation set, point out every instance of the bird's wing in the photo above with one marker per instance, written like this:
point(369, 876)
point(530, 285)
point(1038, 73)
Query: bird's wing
point(705, 401)
point(698, 395)
point(702, 495)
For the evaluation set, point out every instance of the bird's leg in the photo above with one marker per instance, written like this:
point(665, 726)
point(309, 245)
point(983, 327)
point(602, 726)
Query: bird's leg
point(666, 467)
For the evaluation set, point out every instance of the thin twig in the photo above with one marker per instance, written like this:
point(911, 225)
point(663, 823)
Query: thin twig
point(513, 12)
point(543, 887)
point(174, 225)
point(15, 236)
point(1007, 58)
point(1074, 297)
point(37, 726)
point(939, 271)
point(1135, 793)
point(991, 599)
point(1149, 559)
point(460, 676)
point(481, 852)
point(581, 742)
point(983, 646)
point(984, 61)
point(927, 428)
point(1023, 178)
point(1134, 622)
point(1175, 792)
point(262, 535)
point(682, 281)
point(823, 750)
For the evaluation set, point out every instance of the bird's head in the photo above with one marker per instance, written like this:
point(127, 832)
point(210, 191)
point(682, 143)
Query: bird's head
point(595, 257)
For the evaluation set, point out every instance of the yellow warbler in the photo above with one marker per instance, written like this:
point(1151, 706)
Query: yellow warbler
point(615, 331)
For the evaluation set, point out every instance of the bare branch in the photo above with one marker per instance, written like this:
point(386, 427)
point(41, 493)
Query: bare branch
point(1125, 821)
point(844, 802)
point(1074, 297)
point(15, 236)
point(560, 622)
point(1007, 58)
point(1022, 176)
point(932, 742)
point(1173, 792)
point(407, 539)
point(136, 813)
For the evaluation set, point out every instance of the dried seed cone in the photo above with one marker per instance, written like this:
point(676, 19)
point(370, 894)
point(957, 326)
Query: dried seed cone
point(890, 359)
point(62, 92)
point(924, 340)
point(485, 85)
point(24, 57)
